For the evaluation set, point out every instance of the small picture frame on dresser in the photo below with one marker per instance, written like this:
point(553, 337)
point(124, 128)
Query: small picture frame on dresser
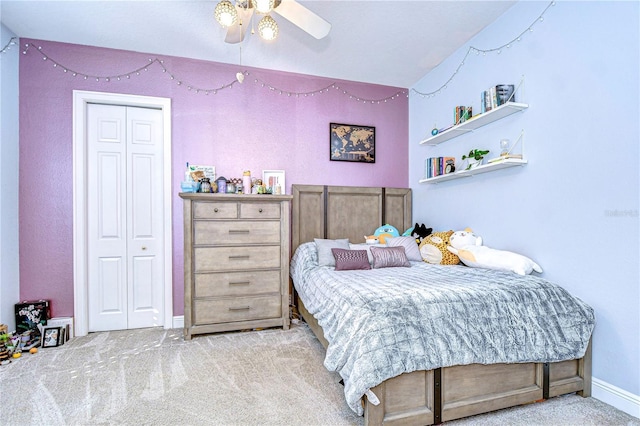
point(273, 180)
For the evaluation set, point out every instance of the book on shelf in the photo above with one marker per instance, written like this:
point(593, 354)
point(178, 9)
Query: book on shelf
point(462, 114)
point(437, 166)
point(505, 93)
point(496, 96)
point(505, 157)
point(449, 165)
point(444, 129)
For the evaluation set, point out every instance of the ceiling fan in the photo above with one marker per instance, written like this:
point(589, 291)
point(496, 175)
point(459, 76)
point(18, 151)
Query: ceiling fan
point(236, 18)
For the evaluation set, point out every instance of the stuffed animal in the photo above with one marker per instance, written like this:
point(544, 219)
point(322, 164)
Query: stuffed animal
point(468, 247)
point(433, 249)
point(419, 232)
point(385, 231)
point(371, 239)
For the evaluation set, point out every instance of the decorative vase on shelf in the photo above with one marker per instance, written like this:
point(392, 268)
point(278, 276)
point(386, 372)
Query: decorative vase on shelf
point(475, 157)
point(473, 163)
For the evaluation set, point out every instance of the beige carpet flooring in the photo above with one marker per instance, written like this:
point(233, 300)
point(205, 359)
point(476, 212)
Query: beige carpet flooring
point(269, 377)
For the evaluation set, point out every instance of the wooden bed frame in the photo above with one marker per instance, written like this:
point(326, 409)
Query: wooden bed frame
point(439, 395)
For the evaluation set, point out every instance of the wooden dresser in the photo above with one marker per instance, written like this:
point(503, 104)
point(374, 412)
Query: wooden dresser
point(236, 262)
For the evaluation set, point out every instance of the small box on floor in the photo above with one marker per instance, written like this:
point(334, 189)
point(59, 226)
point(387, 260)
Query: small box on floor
point(31, 313)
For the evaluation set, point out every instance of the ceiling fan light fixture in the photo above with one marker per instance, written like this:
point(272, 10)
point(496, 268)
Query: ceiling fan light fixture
point(225, 13)
point(264, 6)
point(268, 28)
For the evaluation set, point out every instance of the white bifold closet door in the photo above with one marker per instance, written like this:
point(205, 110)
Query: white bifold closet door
point(125, 217)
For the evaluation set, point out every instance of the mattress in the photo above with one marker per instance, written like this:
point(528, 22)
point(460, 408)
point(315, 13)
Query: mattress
point(380, 323)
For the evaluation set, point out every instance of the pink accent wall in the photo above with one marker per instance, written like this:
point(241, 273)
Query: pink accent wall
point(247, 127)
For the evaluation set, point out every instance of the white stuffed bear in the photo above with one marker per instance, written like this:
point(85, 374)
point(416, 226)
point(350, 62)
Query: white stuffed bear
point(472, 253)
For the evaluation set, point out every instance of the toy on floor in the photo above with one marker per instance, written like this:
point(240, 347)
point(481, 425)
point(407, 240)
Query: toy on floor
point(433, 249)
point(468, 247)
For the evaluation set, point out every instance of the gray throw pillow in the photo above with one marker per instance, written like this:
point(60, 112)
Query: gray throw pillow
point(325, 257)
point(367, 248)
point(411, 248)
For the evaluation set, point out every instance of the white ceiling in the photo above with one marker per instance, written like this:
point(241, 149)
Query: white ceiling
point(389, 42)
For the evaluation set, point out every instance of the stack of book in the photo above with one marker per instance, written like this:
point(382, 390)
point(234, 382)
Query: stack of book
point(496, 96)
point(436, 166)
point(462, 114)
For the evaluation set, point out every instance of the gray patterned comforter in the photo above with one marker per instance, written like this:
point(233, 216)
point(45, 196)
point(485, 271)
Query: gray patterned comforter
point(381, 323)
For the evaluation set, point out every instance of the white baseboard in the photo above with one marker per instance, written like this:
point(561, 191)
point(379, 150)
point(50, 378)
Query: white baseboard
point(616, 397)
point(178, 322)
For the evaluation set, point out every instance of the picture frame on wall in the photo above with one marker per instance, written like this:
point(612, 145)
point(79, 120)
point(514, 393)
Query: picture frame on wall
point(349, 142)
point(274, 181)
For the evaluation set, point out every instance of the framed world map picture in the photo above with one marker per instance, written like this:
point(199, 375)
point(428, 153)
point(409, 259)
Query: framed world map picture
point(348, 142)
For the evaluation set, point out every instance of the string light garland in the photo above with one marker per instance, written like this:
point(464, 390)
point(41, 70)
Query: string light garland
point(126, 75)
point(325, 89)
point(200, 90)
point(477, 51)
point(328, 88)
point(12, 41)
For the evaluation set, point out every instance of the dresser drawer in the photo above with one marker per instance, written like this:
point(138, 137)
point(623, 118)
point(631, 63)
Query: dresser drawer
point(237, 283)
point(210, 311)
point(260, 210)
point(236, 232)
point(215, 210)
point(235, 258)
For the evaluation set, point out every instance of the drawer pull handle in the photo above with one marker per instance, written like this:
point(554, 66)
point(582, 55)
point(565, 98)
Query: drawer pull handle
point(240, 308)
point(260, 210)
point(238, 257)
point(239, 231)
point(241, 283)
point(215, 210)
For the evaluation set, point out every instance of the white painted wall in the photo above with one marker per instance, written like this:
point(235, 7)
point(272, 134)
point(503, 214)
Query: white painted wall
point(574, 207)
point(9, 270)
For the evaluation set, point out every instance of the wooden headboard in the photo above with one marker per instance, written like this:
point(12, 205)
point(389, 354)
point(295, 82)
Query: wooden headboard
point(346, 212)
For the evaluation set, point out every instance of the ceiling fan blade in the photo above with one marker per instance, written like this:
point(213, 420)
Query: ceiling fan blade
point(303, 18)
point(236, 32)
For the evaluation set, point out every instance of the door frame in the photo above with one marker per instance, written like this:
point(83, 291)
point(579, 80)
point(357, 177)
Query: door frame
point(80, 207)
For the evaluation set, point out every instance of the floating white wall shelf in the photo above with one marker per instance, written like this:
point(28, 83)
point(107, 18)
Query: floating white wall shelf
point(497, 165)
point(475, 122)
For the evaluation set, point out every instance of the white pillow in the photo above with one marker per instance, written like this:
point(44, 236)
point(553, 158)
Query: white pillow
point(411, 248)
point(325, 257)
point(366, 247)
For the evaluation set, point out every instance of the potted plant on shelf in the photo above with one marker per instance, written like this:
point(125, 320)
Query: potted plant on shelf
point(475, 157)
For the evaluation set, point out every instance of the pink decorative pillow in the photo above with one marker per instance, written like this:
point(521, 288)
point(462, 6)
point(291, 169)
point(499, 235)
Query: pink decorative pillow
point(347, 260)
point(389, 257)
